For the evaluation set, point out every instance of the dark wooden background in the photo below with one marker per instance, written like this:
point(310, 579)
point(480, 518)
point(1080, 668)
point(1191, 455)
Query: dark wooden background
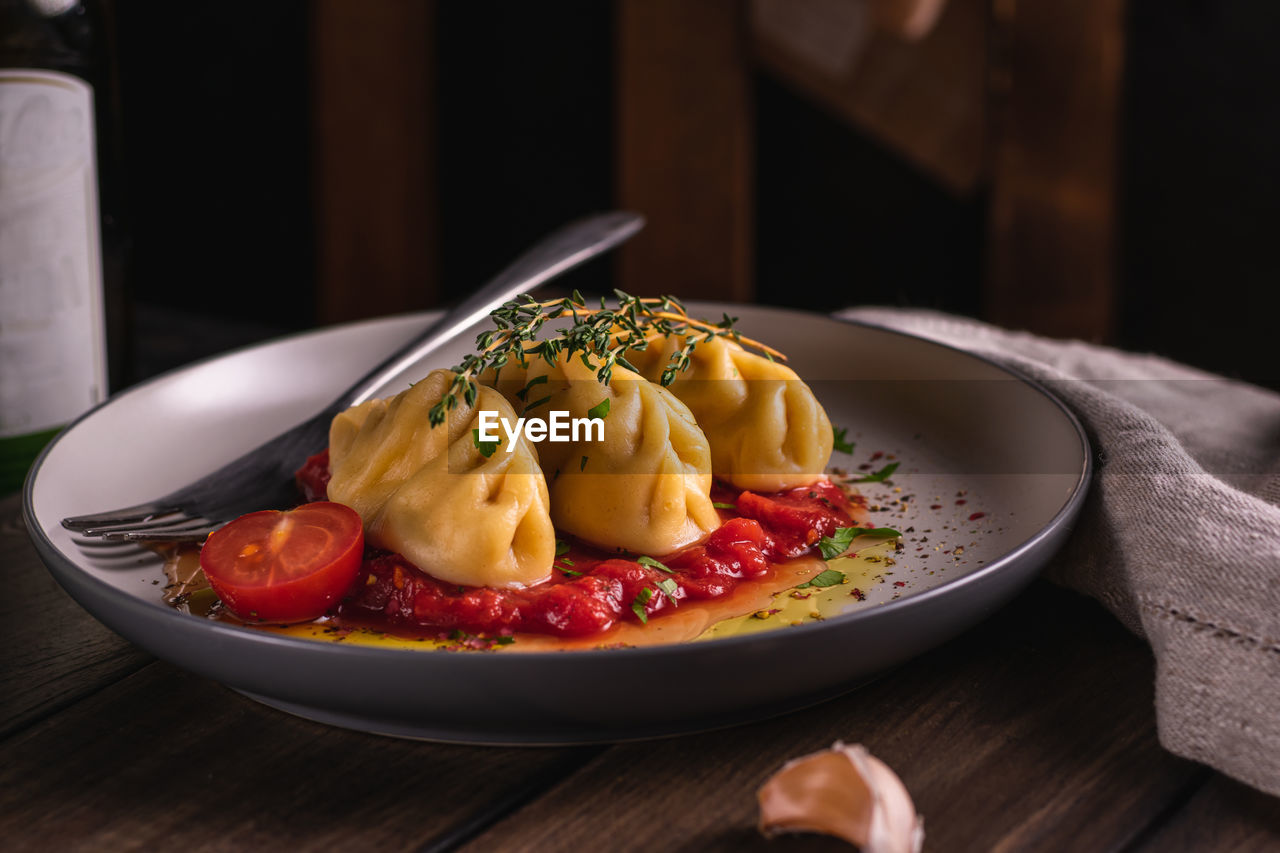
point(1102, 169)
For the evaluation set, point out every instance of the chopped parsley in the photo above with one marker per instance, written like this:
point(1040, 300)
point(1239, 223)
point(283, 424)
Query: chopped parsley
point(840, 444)
point(582, 466)
point(653, 564)
point(834, 546)
point(599, 410)
point(719, 505)
point(828, 577)
point(562, 547)
point(461, 636)
point(669, 588)
point(486, 448)
point(637, 606)
point(879, 476)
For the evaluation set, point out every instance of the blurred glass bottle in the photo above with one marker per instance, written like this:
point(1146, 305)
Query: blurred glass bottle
point(63, 329)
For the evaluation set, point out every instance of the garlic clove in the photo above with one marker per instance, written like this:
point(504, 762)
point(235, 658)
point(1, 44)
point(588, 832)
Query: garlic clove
point(844, 791)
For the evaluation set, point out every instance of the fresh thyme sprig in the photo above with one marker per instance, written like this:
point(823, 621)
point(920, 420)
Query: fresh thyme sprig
point(603, 335)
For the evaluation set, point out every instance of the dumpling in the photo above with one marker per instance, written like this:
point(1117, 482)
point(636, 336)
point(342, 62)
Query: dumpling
point(646, 487)
point(767, 430)
point(430, 495)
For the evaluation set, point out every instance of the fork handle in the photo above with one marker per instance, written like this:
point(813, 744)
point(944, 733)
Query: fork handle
point(558, 252)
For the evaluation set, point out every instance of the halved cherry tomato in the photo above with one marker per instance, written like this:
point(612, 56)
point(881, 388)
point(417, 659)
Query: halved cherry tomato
point(285, 566)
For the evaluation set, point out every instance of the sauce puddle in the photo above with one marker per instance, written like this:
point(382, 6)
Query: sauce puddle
point(767, 603)
point(767, 599)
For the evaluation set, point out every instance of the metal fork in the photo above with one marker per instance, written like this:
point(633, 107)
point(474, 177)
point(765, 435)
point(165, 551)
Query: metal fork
point(263, 477)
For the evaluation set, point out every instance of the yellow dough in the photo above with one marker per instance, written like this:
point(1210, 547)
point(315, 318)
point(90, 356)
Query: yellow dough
point(430, 495)
point(646, 487)
point(767, 430)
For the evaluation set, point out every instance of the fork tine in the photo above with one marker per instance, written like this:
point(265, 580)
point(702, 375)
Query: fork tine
point(178, 537)
point(168, 519)
point(191, 530)
point(141, 512)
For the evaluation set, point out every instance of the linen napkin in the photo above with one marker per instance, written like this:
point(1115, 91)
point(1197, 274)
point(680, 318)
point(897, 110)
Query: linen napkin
point(1180, 535)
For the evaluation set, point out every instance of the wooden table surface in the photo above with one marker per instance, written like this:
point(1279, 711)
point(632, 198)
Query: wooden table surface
point(1033, 731)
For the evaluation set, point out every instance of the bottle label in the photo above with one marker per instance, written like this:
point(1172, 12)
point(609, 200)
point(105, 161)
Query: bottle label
point(52, 326)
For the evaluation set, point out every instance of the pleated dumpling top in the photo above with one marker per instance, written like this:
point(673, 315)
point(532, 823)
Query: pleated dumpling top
point(432, 496)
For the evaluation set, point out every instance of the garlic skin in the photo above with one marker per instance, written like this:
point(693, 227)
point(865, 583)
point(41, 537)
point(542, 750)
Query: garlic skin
point(844, 791)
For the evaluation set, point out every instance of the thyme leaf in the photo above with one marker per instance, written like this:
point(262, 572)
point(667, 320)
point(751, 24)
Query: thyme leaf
point(600, 337)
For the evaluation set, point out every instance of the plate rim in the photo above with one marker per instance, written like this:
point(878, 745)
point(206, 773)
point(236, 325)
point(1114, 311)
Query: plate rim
point(51, 555)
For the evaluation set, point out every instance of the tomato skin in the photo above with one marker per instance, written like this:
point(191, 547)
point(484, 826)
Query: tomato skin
point(290, 566)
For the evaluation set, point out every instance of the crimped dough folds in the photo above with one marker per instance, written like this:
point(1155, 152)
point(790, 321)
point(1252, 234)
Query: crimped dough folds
point(430, 495)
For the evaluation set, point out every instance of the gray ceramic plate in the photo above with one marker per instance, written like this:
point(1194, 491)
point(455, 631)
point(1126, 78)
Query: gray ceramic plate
point(990, 463)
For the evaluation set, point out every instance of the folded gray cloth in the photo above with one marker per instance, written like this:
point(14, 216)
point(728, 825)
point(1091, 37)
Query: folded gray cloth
point(1180, 536)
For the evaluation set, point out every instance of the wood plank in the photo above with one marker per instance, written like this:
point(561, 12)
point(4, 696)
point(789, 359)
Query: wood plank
point(169, 761)
point(1222, 815)
point(1034, 731)
point(685, 147)
point(55, 652)
point(1055, 94)
point(925, 99)
point(374, 149)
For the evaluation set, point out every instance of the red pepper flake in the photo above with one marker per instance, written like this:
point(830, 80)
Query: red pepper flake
point(859, 594)
point(899, 583)
point(961, 502)
point(877, 455)
point(935, 506)
point(977, 515)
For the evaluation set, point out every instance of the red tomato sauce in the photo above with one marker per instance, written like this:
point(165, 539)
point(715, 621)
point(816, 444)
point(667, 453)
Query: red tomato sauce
point(590, 590)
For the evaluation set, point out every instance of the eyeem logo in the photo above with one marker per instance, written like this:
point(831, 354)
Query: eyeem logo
point(558, 426)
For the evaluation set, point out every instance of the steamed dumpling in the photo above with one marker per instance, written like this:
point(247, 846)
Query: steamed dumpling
point(430, 495)
point(646, 487)
point(767, 430)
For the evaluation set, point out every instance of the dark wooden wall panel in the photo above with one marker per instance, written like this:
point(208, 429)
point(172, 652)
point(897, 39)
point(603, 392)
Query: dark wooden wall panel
point(374, 157)
point(684, 147)
point(1055, 96)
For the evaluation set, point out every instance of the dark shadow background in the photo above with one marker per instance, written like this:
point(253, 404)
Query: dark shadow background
point(217, 130)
